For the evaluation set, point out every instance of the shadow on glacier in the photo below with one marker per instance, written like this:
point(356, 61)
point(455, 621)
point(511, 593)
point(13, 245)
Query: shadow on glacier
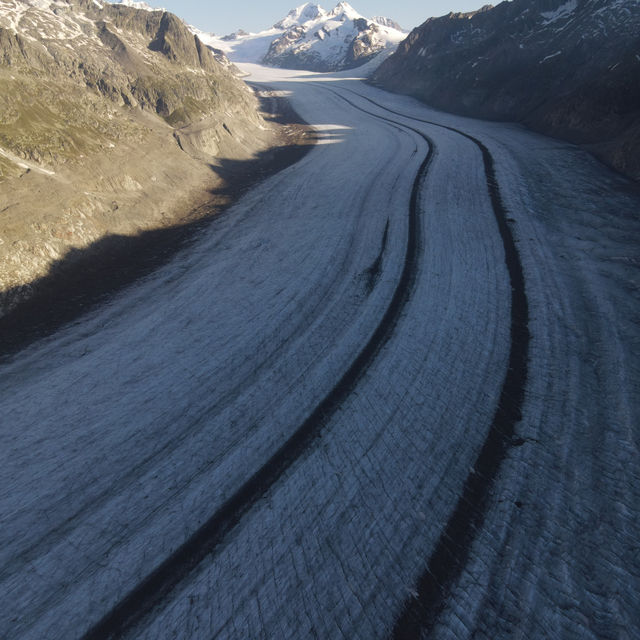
point(84, 278)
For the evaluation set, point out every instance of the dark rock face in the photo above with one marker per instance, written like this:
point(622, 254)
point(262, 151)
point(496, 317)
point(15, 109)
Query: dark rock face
point(364, 46)
point(178, 45)
point(570, 69)
point(289, 50)
point(118, 115)
point(361, 24)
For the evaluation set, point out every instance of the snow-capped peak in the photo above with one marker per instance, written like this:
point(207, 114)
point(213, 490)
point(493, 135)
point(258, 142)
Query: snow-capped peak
point(345, 9)
point(137, 5)
point(300, 15)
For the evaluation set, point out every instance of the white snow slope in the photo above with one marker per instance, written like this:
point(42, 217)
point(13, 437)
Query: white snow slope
point(137, 5)
point(122, 433)
point(320, 37)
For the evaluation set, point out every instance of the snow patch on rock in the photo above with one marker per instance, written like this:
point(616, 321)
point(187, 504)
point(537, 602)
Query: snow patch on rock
point(561, 12)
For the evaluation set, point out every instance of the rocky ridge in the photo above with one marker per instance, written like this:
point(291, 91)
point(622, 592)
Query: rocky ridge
point(387, 22)
point(111, 120)
point(313, 39)
point(567, 68)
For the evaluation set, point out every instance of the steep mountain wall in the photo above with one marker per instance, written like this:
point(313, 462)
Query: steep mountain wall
point(567, 68)
point(134, 58)
point(111, 120)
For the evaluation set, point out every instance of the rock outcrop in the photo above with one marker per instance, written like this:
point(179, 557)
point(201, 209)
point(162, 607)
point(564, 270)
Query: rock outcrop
point(567, 68)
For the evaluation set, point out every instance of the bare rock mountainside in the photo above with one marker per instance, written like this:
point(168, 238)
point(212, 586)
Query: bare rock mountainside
point(310, 38)
point(110, 119)
point(567, 68)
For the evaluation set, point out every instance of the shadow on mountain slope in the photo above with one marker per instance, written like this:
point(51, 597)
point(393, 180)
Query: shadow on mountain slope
point(86, 277)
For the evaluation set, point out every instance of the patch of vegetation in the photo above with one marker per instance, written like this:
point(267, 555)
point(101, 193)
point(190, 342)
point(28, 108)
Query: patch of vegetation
point(190, 111)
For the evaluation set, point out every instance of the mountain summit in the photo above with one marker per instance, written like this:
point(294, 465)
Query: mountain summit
point(312, 38)
point(300, 15)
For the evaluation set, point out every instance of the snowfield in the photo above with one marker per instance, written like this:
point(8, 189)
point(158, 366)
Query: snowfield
point(125, 432)
point(311, 38)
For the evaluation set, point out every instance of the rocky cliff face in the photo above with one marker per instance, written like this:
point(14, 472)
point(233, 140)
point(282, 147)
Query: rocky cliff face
point(110, 120)
point(568, 68)
point(135, 58)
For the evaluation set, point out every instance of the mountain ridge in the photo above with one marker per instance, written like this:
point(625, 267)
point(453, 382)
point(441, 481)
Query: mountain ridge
point(314, 39)
point(120, 115)
point(561, 67)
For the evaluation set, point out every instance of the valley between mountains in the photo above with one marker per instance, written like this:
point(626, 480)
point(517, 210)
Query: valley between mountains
point(286, 355)
point(271, 434)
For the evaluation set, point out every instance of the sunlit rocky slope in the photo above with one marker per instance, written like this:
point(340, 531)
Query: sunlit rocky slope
point(110, 120)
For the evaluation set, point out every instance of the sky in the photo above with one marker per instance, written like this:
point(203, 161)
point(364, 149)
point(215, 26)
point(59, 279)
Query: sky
point(225, 16)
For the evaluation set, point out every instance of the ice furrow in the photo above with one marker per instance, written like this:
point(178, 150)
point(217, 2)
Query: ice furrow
point(273, 296)
point(150, 592)
point(420, 611)
point(356, 515)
